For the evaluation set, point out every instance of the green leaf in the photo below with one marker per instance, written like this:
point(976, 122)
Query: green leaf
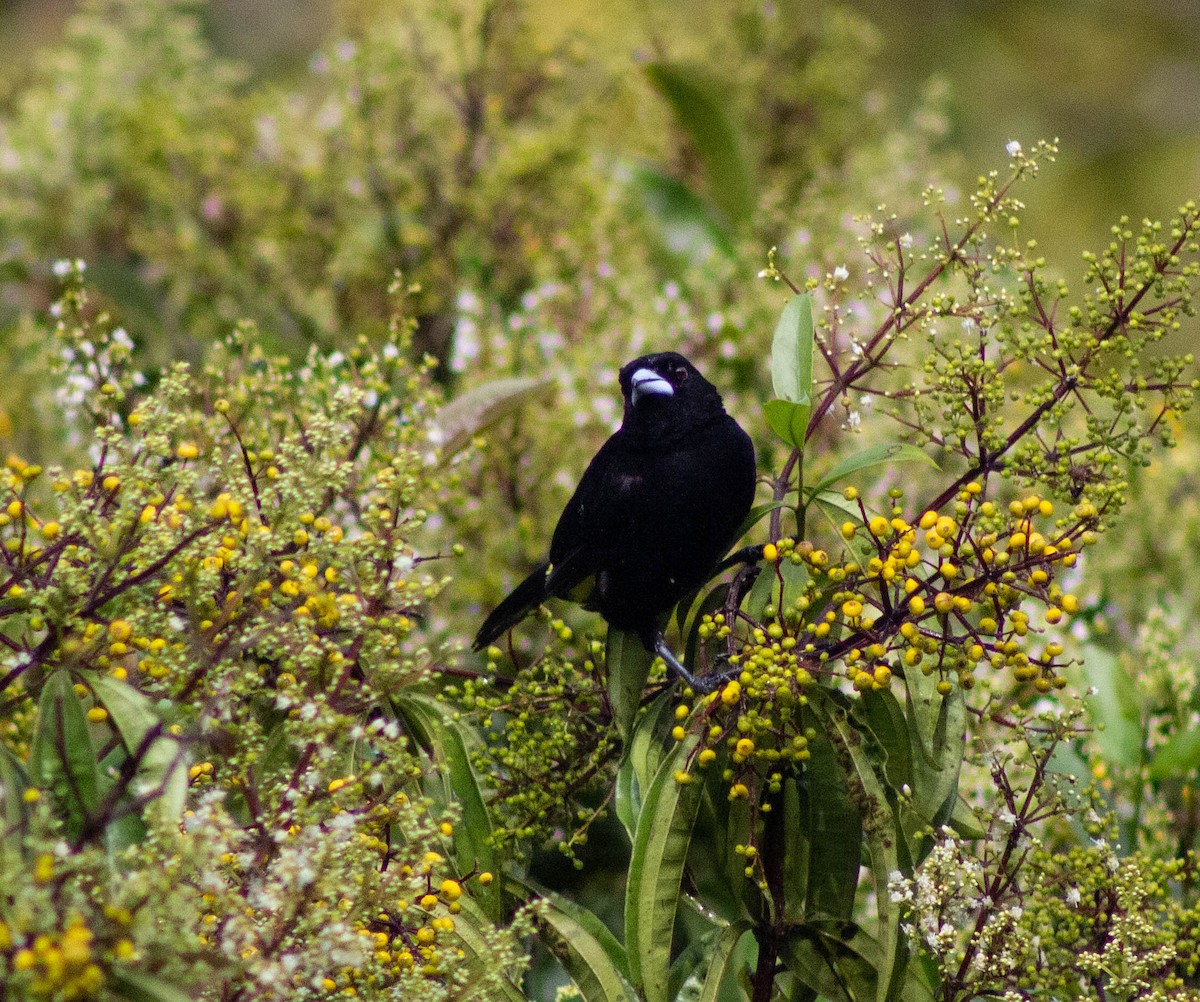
point(965, 821)
point(449, 744)
point(881, 829)
point(163, 764)
point(629, 666)
point(13, 784)
point(937, 728)
point(646, 750)
point(788, 420)
point(884, 715)
point(719, 963)
point(1178, 757)
point(62, 758)
point(466, 416)
point(876, 455)
point(472, 836)
point(137, 987)
point(758, 513)
point(792, 353)
point(702, 109)
point(834, 505)
point(583, 944)
point(660, 849)
point(1114, 708)
point(842, 964)
point(762, 592)
point(480, 950)
point(832, 823)
point(627, 797)
point(688, 224)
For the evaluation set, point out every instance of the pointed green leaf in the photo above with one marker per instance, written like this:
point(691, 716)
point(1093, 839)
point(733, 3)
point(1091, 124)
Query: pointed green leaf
point(688, 224)
point(835, 506)
point(62, 758)
point(473, 848)
point(702, 108)
point(13, 784)
point(881, 830)
point(660, 849)
point(1178, 756)
point(832, 825)
point(450, 745)
point(583, 945)
point(135, 986)
point(758, 513)
point(937, 729)
point(163, 765)
point(1113, 705)
point(842, 965)
point(466, 416)
point(884, 715)
point(480, 950)
point(788, 420)
point(965, 821)
point(629, 666)
point(646, 748)
point(792, 355)
point(718, 965)
point(877, 455)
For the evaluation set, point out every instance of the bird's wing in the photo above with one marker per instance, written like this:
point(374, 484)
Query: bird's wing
point(602, 505)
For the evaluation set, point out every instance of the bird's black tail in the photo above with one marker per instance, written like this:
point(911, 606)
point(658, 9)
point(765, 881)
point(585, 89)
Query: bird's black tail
point(526, 596)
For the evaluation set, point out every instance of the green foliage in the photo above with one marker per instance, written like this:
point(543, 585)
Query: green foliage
point(209, 644)
point(242, 753)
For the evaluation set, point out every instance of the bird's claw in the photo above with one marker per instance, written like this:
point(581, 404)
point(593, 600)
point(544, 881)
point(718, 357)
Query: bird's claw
point(701, 684)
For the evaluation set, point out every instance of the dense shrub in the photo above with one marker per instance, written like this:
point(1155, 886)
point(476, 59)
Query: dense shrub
point(342, 346)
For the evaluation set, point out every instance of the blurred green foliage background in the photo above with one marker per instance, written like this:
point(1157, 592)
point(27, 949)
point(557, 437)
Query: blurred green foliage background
point(561, 192)
point(1117, 82)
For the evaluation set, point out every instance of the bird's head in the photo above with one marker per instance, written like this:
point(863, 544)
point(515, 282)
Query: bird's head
point(665, 394)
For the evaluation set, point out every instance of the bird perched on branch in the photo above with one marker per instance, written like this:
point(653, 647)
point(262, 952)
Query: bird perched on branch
point(657, 508)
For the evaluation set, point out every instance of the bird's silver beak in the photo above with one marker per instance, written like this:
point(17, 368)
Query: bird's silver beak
point(648, 383)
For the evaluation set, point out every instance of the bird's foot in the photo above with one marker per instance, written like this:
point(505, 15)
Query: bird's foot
point(699, 684)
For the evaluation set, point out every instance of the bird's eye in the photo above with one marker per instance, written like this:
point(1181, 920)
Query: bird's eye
point(681, 374)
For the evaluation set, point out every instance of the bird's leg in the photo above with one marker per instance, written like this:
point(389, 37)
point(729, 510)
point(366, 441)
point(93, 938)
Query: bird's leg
point(703, 686)
point(746, 555)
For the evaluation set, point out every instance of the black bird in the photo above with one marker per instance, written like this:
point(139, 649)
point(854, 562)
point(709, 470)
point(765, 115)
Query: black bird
point(657, 508)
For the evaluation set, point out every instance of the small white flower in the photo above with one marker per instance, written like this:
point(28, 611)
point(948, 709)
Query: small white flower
point(906, 241)
point(1012, 148)
point(1074, 897)
point(62, 268)
point(841, 273)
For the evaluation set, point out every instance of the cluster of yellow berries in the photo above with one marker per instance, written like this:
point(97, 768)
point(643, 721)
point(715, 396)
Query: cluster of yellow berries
point(63, 965)
point(943, 594)
point(411, 938)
